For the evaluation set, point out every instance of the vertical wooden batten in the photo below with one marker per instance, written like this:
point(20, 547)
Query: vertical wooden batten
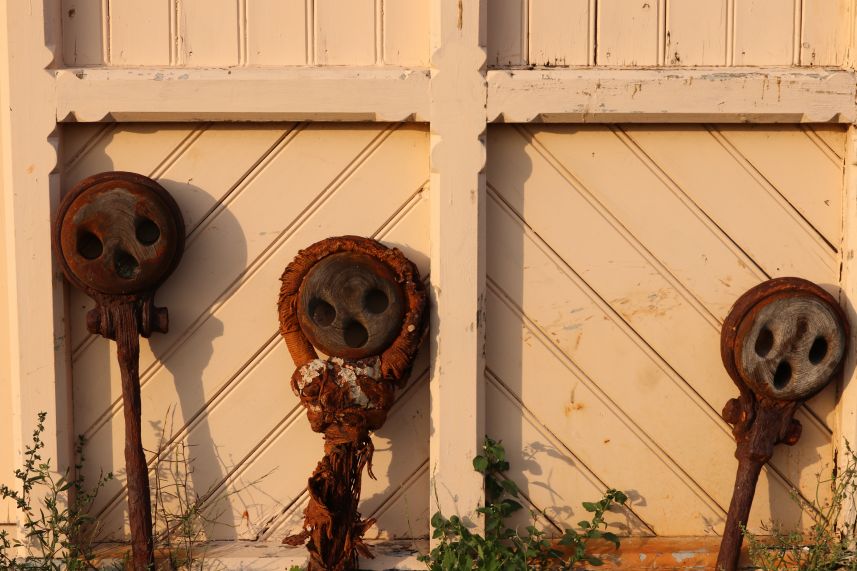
point(37, 345)
point(457, 229)
point(845, 429)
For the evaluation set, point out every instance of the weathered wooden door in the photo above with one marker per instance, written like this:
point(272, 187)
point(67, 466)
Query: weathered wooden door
point(586, 185)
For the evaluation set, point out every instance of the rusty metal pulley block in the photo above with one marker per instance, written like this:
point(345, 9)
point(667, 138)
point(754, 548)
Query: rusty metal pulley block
point(350, 305)
point(782, 342)
point(363, 305)
point(118, 236)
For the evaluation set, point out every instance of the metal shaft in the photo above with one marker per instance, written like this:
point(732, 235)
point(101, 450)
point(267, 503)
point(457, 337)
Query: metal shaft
point(139, 501)
point(739, 513)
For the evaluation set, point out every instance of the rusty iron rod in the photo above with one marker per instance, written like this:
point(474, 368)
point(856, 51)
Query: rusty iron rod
point(139, 499)
point(739, 512)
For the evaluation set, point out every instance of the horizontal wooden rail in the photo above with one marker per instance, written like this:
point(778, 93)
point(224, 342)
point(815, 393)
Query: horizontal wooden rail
point(553, 95)
point(690, 95)
point(258, 94)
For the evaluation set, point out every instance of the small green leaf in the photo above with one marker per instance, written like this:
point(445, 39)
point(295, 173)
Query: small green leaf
point(590, 507)
point(611, 537)
point(480, 464)
point(510, 487)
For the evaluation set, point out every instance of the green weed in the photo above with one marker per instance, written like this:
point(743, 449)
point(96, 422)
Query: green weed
point(828, 543)
point(502, 548)
point(56, 530)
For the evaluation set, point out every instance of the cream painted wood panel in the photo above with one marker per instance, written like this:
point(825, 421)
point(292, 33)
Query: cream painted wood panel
point(614, 255)
point(405, 32)
point(7, 515)
point(140, 32)
point(696, 32)
point(560, 32)
point(245, 32)
point(84, 32)
point(210, 32)
point(767, 32)
point(628, 32)
point(277, 32)
point(827, 26)
point(396, 32)
point(346, 32)
point(252, 196)
point(507, 32)
point(668, 32)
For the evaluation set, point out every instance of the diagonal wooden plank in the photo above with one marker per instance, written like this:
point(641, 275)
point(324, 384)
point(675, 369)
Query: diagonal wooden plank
point(614, 384)
point(712, 268)
point(746, 211)
point(228, 249)
point(633, 367)
point(136, 146)
point(78, 139)
point(186, 368)
point(734, 199)
point(139, 148)
point(548, 472)
point(401, 448)
point(631, 281)
point(406, 515)
point(410, 236)
point(832, 135)
point(826, 145)
point(706, 262)
point(201, 386)
point(798, 169)
point(199, 179)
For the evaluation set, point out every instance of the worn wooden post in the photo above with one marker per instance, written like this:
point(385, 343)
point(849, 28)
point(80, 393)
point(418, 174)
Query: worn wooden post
point(118, 236)
point(459, 95)
point(781, 343)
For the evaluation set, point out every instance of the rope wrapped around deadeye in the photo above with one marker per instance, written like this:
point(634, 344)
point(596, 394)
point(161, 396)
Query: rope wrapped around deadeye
point(345, 399)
